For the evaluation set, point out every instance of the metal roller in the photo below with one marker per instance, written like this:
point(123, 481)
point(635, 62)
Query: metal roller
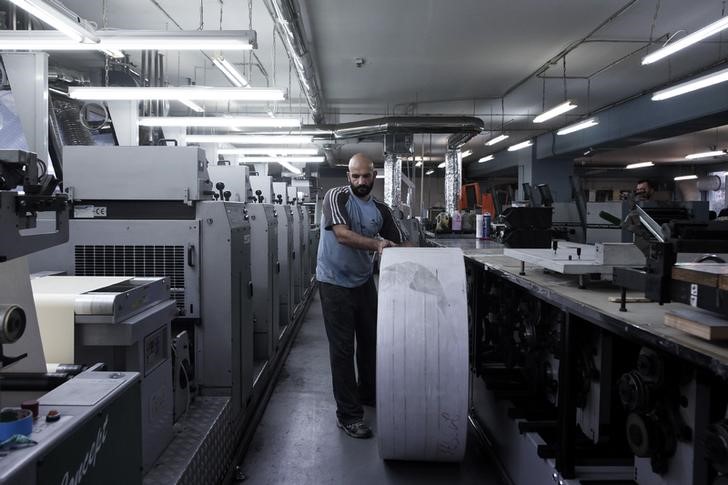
point(13, 322)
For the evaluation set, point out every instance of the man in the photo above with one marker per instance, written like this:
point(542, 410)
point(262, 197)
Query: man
point(352, 219)
point(644, 190)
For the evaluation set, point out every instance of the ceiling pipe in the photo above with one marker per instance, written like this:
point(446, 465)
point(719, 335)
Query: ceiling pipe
point(287, 19)
point(463, 127)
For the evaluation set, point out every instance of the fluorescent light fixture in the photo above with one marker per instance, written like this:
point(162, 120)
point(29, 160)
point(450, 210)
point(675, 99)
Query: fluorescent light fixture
point(640, 165)
point(519, 146)
point(251, 139)
point(230, 72)
point(291, 168)
point(685, 177)
point(442, 165)
point(418, 164)
point(694, 85)
point(270, 151)
point(318, 159)
point(554, 112)
point(118, 40)
point(466, 153)
point(220, 121)
point(486, 159)
point(60, 18)
point(192, 105)
point(687, 41)
point(195, 93)
point(714, 153)
point(381, 176)
point(495, 140)
point(429, 172)
point(582, 125)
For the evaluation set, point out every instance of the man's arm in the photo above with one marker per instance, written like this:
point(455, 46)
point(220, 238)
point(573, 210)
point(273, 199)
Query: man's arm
point(390, 229)
point(347, 237)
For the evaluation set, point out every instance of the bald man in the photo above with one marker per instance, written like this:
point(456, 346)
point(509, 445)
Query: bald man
point(354, 226)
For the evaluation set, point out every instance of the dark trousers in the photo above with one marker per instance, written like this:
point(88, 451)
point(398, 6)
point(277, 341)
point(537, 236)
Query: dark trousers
point(349, 314)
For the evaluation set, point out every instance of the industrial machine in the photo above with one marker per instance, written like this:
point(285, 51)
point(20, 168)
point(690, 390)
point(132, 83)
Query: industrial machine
point(286, 259)
point(299, 251)
point(149, 212)
point(122, 322)
point(262, 187)
point(87, 428)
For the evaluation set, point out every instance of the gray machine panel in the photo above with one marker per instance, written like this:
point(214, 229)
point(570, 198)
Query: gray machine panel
point(298, 255)
point(280, 189)
point(264, 267)
point(264, 184)
point(235, 178)
point(99, 412)
point(285, 258)
point(161, 248)
point(163, 173)
point(224, 340)
point(306, 235)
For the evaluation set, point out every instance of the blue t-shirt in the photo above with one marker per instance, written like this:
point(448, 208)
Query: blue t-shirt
point(341, 265)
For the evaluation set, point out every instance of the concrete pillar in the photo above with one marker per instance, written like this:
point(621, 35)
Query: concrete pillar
point(453, 180)
point(392, 180)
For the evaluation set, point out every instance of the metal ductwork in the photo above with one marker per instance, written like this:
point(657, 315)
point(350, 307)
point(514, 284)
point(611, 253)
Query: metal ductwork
point(462, 127)
point(287, 19)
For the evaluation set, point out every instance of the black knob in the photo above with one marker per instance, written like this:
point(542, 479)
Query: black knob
point(555, 245)
point(227, 195)
point(216, 195)
point(220, 187)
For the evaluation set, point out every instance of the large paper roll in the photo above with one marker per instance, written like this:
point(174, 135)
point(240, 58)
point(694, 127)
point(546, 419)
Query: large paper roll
point(55, 299)
point(422, 355)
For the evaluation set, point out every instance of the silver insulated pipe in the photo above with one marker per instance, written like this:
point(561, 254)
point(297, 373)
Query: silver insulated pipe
point(392, 181)
point(453, 180)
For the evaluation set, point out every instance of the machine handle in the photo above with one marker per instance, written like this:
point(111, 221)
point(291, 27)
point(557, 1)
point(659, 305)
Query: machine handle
point(191, 255)
point(250, 287)
point(163, 141)
point(278, 267)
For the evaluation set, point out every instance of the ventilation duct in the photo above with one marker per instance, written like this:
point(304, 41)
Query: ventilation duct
point(462, 127)
point(287, 19)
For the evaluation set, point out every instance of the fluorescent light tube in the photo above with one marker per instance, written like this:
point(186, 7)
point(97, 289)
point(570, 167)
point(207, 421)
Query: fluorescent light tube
point(251, 139)
point(318, 159)
point(442, 165)
point(191, 105)
point(519, 146)
point(220, 122)
point(497, 139)
point(380, 176)
point(117, 40)
point(554, 112)
point(291, 168)
point(466, 153)
point(685, 177)
point(429, 172)
point(640, 165)
point(230, 72)
point(694, 85)
point(714, 153)
point(687, 41)
point(60, 18)
point(271, 151)
point(196, 93)
point(486, 159)
point(582, 125)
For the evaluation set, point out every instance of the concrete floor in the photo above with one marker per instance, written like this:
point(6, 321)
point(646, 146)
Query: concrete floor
point(297, 441)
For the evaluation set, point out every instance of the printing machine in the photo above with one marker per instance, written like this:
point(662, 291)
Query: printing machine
point(125, 325)
point(86, 428)
point(299, 251)
point(262, 187)
point(149, 212)
point(286, 258)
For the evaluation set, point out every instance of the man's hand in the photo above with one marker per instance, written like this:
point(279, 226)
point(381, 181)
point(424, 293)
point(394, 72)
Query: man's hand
point(385, 243)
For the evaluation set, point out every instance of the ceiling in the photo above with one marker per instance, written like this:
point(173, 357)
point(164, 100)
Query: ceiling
point(457, 57)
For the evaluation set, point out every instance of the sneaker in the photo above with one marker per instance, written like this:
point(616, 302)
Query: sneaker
point(356, 430)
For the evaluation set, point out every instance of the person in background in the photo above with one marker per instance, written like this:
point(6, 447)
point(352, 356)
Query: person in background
point(644, 190)
point(354, 225)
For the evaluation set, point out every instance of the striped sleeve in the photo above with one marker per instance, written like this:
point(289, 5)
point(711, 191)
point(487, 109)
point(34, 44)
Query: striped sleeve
point(390, 229)
point(334, 208)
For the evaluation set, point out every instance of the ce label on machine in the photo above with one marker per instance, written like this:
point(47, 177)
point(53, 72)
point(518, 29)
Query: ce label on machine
point(88, 211)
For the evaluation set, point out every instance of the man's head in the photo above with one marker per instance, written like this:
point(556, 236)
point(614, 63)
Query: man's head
point(644, 190)
point(361, 175)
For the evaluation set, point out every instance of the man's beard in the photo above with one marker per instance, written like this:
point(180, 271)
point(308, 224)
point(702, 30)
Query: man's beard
point(361, 190)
